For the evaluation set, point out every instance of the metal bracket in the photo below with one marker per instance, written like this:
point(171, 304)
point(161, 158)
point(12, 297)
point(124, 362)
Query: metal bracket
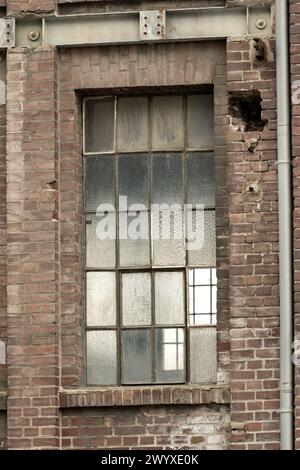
point(7, 33)
point(152, 25)
point(134, 27)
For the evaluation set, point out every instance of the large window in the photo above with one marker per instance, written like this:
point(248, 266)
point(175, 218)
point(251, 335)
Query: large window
point(150, 240)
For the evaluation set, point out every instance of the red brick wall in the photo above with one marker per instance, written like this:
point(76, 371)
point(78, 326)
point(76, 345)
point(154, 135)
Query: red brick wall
point(32, 243)
point(295, 76)
point(3, 277)
point(151, 428)
point(253, 263)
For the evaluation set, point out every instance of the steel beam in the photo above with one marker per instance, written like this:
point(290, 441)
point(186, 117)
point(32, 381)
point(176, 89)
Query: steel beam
point(138, 27)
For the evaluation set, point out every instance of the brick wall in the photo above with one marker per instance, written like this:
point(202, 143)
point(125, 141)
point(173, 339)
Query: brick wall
point(3, 278)
point(32, 237)
point(295, 76)
point(150, 428)
point(253, 269)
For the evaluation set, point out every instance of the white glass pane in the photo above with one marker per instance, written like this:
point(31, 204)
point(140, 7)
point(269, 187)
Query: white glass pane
point(202, 299)
point(136, 299)
point(99, 182)
point(99, 125)
point(202, 277)
point(203, 355)
point(168, 239)
point(214, 276)
point(167, 123)
point(167, 179)
point(133, 179)
point(201, 179)
point(101, 299)
point(136, 359)
point(101, 358)
point(214, 300)
point(169, 355)
point(100, 253)
point(135, 249)
point(132, 124)
point(206, 255)
point(169, 298)
point(200, 122)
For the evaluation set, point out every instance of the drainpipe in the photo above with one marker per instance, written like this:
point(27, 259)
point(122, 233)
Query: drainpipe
point(285, 224)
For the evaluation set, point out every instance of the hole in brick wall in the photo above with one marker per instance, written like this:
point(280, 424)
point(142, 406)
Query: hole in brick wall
point(245, 110)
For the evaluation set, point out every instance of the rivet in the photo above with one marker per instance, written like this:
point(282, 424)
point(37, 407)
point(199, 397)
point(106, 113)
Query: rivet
point(261, 23)
point(34, 35)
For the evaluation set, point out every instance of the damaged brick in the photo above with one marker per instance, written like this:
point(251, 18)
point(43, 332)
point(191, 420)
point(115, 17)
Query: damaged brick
point(245, 111)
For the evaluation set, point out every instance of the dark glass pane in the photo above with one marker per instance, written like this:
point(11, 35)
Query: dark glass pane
point(136, 358)
point(99, 125)
point(200, 122)
point(99, 182)
point(133, 178)
point(201, 179)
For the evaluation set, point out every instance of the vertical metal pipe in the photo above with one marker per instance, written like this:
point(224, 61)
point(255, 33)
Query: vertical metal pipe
point(285, 223)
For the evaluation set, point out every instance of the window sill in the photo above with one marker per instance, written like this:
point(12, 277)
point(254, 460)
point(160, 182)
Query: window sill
point(140, 396)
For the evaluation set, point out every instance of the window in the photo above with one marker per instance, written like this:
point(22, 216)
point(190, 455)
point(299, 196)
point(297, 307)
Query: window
point(150, 251)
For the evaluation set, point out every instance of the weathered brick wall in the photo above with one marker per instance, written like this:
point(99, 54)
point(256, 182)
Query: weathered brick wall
point(150, 428)
point(17, 7)
point(3, 430)
point(32, 242)
point(295, 76)
point(3, 277)
point(253, 262)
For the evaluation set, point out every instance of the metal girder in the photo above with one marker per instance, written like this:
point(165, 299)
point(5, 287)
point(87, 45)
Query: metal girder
point(136, 27)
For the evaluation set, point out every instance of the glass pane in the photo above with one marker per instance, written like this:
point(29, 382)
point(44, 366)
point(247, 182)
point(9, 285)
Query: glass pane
point(134, 242)
point(201, 179)
point(132, 124)
point(169, 298)
point(202, 299)
point(101, 358)
point(169, 345)
point(203, 355)
point(99, 182)
point(99, 125)
point(202, 277)
point(133, 179)
point(205, 255)
point(100, 253)
point(101, 299)
point(167, 179)
point(214, 300)
point(168, 240)
point(136, 299)
point(200, 122)
point(136, 348)
point(167, 125)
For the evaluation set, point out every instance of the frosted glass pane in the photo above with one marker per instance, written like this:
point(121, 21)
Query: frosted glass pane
point(101, 299)
point(168, 124)
point(101, 358)
point(201, 179)
point(99, 182)
point(132, 124)
point(133, 179)
point(167, 179)
point(205, 256)
point(202, 277)
point(136, 299)
point(170, 355)
point(203, 355)
point(169, 298)
point(200, 122)
point(135, 250)
point(136, 361)
point(99, 125)
point(168, 240)
point(99, 253)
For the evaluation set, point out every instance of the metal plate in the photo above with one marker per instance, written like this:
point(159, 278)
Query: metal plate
point(7, 32)
point(152, 25)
